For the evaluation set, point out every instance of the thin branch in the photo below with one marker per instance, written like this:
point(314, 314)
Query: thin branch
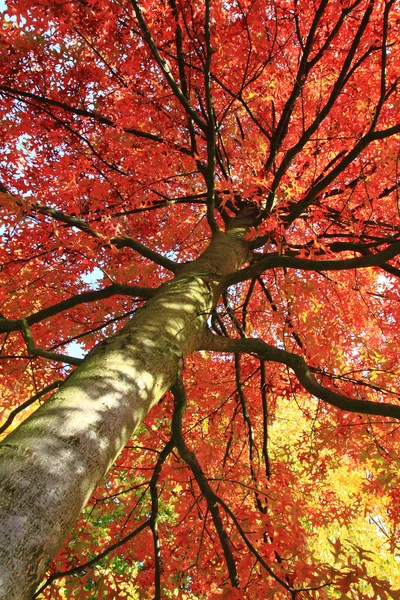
point(209, 173)
point(232, 316)
point(361, 145)
point(85, 140)
point(251, 547)
point(182, 72)
point(274, 308)
point(191, 460)
point(7, 325)
point(246, 303)
point(33, 351)
point(301, 76)
point(340, 82)
point(119, 242)
point(78, 111)
point(382, 97)
point(263, 389)
point(28, 403)
point(365, 250)
point(165, 68)
point(126, 241)
point(101, 57)
point(247, 420)
point(190, 199)
point(66, 341)
point(94, 561)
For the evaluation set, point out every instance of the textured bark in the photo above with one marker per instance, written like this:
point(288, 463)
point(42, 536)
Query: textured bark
point(51, 464)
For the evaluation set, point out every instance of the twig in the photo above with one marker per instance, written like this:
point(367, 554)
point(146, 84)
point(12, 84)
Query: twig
point(169, 446)
point(263, 387)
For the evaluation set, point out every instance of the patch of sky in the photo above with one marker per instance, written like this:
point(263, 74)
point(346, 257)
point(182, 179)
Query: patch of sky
point(92, 277)
point(383, 282)
point(172, 255)
point(75, 350)
point(11, 18)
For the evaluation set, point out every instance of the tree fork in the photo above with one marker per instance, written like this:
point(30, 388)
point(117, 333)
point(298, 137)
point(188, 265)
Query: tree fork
point(51, 464)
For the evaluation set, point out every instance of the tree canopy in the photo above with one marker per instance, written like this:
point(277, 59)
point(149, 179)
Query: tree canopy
point(133, 134)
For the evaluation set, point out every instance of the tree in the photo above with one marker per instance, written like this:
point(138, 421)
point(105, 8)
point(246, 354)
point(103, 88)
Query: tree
point(203, 198)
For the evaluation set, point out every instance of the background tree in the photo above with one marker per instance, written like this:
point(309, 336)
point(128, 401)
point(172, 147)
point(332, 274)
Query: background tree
point(221, 179)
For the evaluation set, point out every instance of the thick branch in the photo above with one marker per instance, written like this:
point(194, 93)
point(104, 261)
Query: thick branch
point(365, 250)
point(297, 363)
point(272, 261)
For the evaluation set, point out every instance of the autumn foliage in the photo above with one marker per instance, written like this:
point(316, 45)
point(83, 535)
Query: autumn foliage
point(131, 132)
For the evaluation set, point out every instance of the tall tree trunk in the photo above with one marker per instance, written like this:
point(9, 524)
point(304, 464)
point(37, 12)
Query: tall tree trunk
point(51, 464)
